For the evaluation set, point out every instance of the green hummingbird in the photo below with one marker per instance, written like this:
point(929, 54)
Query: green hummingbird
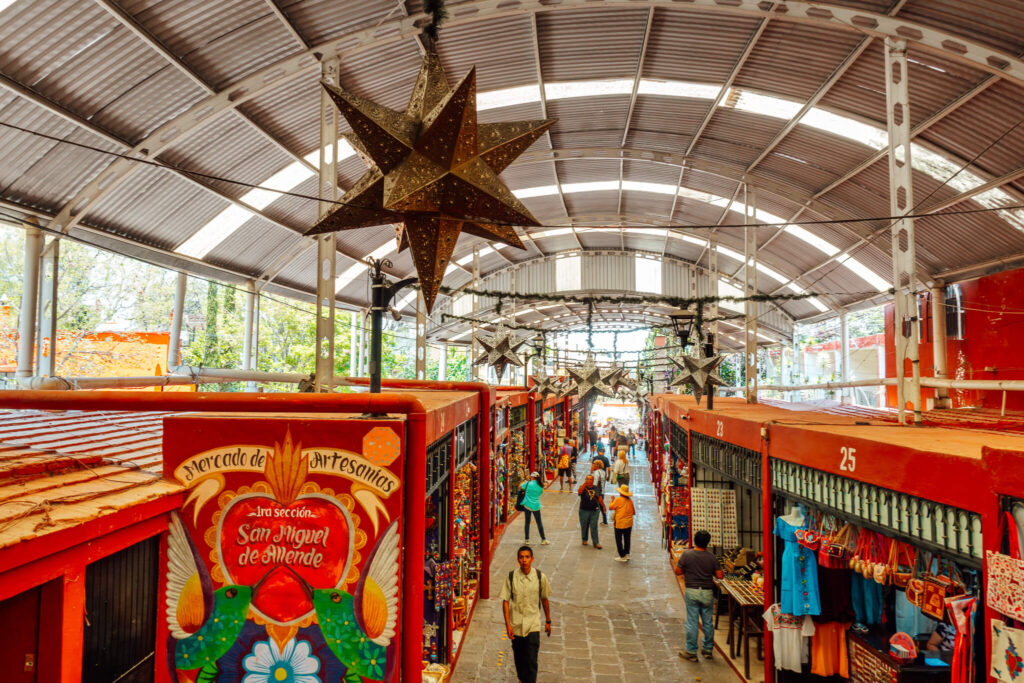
point(203, 623)
point(358, 628)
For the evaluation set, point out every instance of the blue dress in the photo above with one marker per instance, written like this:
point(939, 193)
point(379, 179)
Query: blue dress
point(799, 583)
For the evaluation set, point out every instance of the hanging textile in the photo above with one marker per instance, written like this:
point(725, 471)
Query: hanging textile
point(1007, 653)
point(789, 637)
point(828, 650)
point(1004, 576)
point(799, 583)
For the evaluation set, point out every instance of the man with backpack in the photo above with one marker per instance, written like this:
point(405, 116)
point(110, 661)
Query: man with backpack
point(524, 594)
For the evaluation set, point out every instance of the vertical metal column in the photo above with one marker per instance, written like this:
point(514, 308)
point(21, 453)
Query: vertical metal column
point(251, 325)
point(353, 347)
point(442, 365)
point(327, 251)
point(939, 343)
point(901, 202)
point(421, 337)
point(713, 292)
point(46, 350)
point(477, 370)
point(29, 299)
point(844, 353)
point(750, 289)
point(177, 319)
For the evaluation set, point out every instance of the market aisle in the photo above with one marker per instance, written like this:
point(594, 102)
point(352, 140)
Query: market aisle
point(613, 621)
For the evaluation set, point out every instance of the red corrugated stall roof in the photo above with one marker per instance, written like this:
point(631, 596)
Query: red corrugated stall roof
point(60, 469)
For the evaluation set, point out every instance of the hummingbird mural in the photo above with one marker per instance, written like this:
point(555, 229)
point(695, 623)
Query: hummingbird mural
point(359, 628)
point(203, 623)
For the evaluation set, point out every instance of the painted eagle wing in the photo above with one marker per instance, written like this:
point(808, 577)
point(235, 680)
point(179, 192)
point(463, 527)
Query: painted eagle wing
point(379, 594)
point(184, 598)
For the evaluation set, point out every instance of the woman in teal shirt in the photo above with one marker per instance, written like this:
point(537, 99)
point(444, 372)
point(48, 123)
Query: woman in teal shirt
point(531, 505)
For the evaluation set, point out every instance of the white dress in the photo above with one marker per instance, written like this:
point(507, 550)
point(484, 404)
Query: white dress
point(790, 636)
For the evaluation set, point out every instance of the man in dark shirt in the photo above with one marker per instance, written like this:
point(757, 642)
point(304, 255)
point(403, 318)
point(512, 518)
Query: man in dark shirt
point(699, 568)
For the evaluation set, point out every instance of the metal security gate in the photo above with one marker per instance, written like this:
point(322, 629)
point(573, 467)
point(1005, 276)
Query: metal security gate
point(121, 611)
point(723, 465)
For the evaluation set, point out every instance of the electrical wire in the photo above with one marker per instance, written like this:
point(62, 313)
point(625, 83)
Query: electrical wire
point(338, 202)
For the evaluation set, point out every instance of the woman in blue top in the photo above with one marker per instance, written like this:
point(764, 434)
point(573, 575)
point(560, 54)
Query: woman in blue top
point(531, 503)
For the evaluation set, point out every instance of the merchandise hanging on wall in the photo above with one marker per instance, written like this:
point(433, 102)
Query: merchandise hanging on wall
point(433, 169)
point(714, 511)
point(499, 350)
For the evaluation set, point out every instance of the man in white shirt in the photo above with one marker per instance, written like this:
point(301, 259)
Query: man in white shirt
point(523, 595)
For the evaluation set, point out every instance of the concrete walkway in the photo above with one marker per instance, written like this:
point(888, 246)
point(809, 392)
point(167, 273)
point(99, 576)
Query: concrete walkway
point(612, 621)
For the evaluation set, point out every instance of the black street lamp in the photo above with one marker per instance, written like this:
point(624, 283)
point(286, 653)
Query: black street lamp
point(383, 291)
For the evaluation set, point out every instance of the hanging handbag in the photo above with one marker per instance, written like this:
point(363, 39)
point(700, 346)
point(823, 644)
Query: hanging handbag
point(902, 573)
point(855, 560)
point(1004, 575)
point(834, 552)
point(867, 567)
point(808, 538)
point(883, 570)
point(915, 586)
point(946, 583)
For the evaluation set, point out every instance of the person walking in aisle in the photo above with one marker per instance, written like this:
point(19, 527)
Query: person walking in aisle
point(624, 511)
point(600, 477)
point(631, 442)
point(564, 470)
point(620, 470)
point(590, 505)
point(573, 457)
point(531, 505)
point(601, 457)
point(699, 569)
point(523, 595)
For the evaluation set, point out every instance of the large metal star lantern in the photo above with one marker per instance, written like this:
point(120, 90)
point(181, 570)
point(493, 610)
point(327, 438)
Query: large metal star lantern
point(500, 350)
point(588, 380)
point(547, 385)
point(697, 373)
point(623, 380)
point(433, 169)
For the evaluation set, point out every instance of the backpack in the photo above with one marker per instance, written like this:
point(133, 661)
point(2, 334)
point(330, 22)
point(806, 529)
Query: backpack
point(520, 496)
point(540, 586)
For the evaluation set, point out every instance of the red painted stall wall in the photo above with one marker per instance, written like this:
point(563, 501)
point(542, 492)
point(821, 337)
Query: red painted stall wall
point(992, 343)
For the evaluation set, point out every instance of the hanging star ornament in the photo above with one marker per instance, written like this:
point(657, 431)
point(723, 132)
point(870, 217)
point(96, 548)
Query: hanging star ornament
point(547, 385)
point(433, 169)
point(499, 350)
point(588, 380)
point(622, 380)
point(697, 373)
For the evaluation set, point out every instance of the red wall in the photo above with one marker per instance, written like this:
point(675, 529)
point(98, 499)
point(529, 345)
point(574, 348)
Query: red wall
point(993, 339)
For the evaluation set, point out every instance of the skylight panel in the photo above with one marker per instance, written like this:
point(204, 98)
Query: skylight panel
point(554, 232)
point(843, 126)
point(725, 288)
point(762, 104)
point(703, 91)
point(216, 231)
point(570, 89)
point(654, 232)
point(942, 169)
point(691, 239)
point(656, 188)
point(687, 193)
point(731, 253)
point(406, 300)
point(538, 191)
point(460, 335)
point(348, 275)
point(463, 305)
point(865, 273)
point(593, 186)
point(568, 273)
point(773, 274)
point(507, 97)
point(810, 238)
point(484, 251)
point(996, 198)
point(284, 180)
point(383, 250)
point(648, 274)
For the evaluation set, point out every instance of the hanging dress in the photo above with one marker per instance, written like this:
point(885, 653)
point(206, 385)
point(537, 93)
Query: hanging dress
point(799, 585)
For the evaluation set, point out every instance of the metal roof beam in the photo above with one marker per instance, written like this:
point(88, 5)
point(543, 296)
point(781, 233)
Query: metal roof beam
point(633, 96)
point(727, 86)
point(288, 25)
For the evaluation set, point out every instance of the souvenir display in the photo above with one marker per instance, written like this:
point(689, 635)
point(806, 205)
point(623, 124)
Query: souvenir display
point(518, 465)
point(715, 511)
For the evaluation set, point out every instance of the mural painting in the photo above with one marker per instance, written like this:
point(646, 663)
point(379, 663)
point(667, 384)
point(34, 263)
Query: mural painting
point(284, 562)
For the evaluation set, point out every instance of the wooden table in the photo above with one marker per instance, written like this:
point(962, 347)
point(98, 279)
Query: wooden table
point(746, 603)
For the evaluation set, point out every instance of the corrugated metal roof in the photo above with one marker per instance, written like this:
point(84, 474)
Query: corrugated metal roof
point(82, 59)
point(59, 469)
